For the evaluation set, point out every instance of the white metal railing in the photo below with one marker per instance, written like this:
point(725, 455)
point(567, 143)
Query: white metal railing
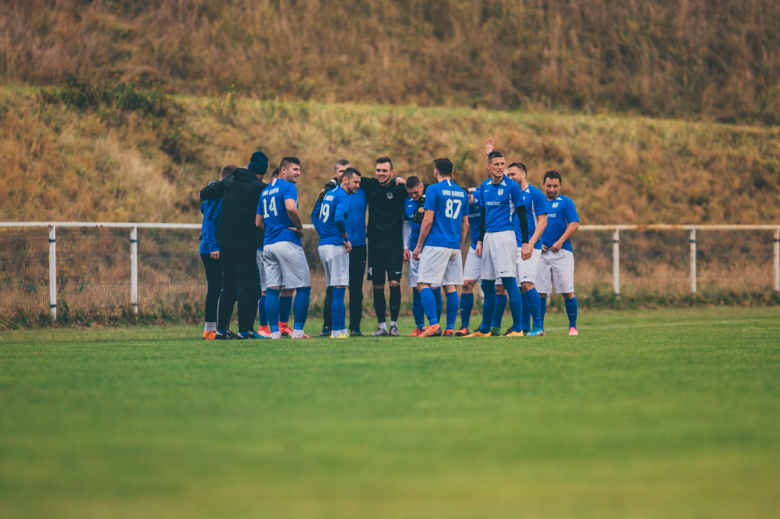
point(134, 300)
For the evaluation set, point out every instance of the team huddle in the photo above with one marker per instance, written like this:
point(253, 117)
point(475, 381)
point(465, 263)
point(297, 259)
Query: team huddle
point(518, 235)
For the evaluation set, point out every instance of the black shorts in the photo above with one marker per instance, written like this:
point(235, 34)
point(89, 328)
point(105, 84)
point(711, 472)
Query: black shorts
point(385, 257)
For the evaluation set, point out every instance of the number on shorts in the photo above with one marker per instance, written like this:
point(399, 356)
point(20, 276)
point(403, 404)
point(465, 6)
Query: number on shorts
point(453, 208)
point(271, 206)
point(324, 213)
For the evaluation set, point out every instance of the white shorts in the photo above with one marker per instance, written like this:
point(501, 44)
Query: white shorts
point(527, 269)
point(261, 270)
point(499, 255)
point(413, 272)
point(441, 266)
point(335, 261)
point(285, 265)
point(556, 269)
point(472, 270)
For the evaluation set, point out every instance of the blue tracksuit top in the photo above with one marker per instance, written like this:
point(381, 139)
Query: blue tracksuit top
point(208, 230)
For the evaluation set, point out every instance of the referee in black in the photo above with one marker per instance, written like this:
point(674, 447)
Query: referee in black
point(237, 237)
point(386, 198)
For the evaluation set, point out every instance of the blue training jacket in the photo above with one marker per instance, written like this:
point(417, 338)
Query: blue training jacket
point(208, 230)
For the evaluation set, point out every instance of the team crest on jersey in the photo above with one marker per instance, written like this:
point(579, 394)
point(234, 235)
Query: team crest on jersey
point(500, 192)
point(389, 196)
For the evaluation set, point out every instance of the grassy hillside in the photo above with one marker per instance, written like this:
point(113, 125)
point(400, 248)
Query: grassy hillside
point(122, 153)
point(715, 60)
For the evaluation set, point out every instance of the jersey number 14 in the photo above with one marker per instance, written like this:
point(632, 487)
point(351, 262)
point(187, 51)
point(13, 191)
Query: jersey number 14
point(267, 206)
point(453, 208)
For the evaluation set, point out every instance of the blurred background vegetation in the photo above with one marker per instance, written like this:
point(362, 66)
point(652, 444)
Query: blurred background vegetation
point(694, 59)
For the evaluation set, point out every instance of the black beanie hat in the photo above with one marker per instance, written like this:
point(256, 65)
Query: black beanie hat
point(258, 164)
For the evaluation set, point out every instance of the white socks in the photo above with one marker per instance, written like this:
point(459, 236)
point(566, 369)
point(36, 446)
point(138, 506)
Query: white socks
point(276, 335)
point(210, 327)
point(338, 333)
point(394, 323)
point(383, 326)
point(297, 334)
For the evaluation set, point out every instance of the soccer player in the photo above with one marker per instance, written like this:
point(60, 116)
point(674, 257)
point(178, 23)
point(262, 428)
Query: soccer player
point(527, 267)
point(334, 246)
point(556, 267)
point(283, 257)
point(385, 240)
point(237, 238)
point(501, 198)
point(209, 254)
point(414, 213)
point(444, 227)
point(338, 170)
point(264, 330)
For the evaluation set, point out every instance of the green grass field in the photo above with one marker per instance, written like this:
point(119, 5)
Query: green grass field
point(667, 413)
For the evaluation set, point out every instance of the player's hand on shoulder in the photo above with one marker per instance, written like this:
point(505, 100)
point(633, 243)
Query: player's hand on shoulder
point(400, 181)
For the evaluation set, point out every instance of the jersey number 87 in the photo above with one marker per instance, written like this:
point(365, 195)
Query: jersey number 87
point(453, 208)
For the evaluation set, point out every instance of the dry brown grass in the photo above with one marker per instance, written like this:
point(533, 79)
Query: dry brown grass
point(680, 58)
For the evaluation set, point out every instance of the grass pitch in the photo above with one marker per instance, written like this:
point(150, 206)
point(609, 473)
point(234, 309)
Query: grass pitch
point(669, 413)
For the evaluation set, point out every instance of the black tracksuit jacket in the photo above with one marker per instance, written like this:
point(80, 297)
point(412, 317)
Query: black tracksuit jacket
point(240, 194)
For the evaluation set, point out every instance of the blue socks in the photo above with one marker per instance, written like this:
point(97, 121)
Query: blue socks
point(272, 308)
point(525, 319)
point(261, 311)
point(542, 311)
point(571, 311)
point(301, 309)
point(488, 304)
point(285, 303)
point(338, 310)
point(429, 305)
point(417, 309)
point(532, 301)
point(466, 305)
point(515, 302)
point(437, 297)
point(452, 309)
point(498, 312)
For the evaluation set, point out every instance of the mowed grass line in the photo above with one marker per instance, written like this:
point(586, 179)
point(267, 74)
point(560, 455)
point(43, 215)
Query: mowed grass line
point(623, 421)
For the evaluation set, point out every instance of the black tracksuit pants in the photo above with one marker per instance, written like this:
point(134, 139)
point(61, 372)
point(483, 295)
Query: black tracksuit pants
point(214, 279)
point(240, 282)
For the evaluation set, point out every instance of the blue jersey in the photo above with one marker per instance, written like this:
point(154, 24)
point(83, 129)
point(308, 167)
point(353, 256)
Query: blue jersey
point(275, 218)
point(449, 203)
point(333, 216)
point(499, 203)
point(356, 221)
point(414, 213)
point(561, 213)
point(475, 218)
point(208, 230)
point(535, 205)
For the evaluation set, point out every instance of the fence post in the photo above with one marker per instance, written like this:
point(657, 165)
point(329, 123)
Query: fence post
point(777, 259)
point(616, 261)
point(53, 272)
point(692, 240)
point(134, 269)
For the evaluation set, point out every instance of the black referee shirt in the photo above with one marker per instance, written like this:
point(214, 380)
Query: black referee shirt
point(385, 209)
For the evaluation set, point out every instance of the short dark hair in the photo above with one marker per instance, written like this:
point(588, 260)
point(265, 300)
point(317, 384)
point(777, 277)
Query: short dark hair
point(384, 159)
point(275, 173)
point(518, 165)
point(412, 182)
point(552, 174)
point(341, 162)
point(289, 160)
point(349, 172)
point(227, 169)
point(444, 166)
point(493, 154)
